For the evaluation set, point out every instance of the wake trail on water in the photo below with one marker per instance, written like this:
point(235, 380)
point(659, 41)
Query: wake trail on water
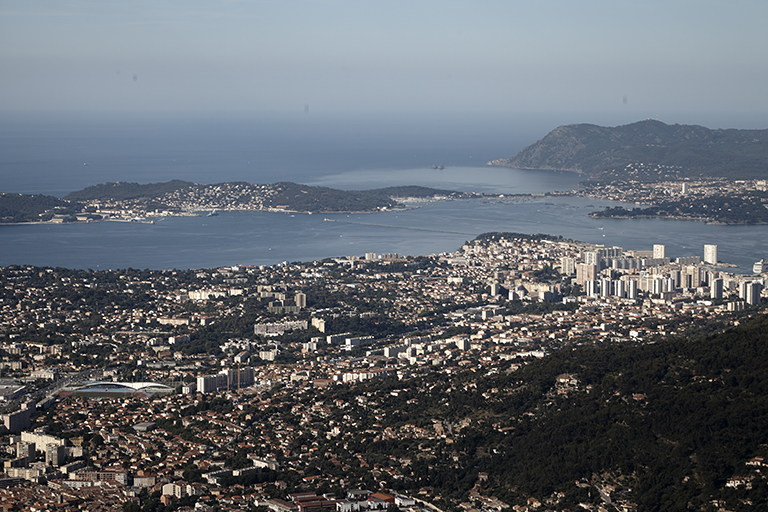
point(402, 227)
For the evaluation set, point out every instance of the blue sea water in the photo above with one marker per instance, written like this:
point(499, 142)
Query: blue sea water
point(56, 155)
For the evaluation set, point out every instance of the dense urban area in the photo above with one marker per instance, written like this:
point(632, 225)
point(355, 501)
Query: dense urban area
point(346, 384)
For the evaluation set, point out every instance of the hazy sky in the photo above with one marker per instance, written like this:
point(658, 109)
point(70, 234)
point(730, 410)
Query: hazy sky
point(358, 55)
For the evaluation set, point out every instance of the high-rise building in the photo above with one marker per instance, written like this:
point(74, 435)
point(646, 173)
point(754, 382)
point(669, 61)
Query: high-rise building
point(751, 292)
point(232, 378)
point(567, 266)
point(716, 289)
point(211, 383)
point(605, 287)
point(610, 252)
point(585, 272)
point(693, 276)
point(619, 288)
point(632, 289)
point(591, 258)
point(25, 450)
point(659, 251)
point(688, 260)
point(55, 454)
point(676, 279)
point(710, 254)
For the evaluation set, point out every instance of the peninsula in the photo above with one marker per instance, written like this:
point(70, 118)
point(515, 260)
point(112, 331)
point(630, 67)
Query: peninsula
point(666, 152)
point(134, 201)
point(666, 171)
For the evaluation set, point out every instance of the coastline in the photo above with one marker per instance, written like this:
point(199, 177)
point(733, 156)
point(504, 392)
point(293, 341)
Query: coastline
point(497, 163)
point(706, 220)
point(409, 203)
point(197, 213)
point(409, 206)
point(129, 213)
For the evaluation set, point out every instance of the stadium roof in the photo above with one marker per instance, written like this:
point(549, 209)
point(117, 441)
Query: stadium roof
point(148, 388)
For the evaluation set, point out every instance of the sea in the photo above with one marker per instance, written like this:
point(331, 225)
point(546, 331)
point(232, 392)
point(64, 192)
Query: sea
point(55, 154)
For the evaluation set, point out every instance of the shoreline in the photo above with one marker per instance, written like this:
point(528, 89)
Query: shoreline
point(410, 203)
point(197, 213)
point(707, 220)
point(153, 220)
point(494, 163)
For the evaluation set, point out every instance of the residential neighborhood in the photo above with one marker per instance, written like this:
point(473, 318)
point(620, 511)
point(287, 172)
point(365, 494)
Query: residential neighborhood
point(326, 385)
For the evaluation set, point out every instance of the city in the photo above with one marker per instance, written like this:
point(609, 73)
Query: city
point(343, 256)
point(244, 387)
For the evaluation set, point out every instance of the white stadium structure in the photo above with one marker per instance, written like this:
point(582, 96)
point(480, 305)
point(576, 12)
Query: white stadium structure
point(146, 388)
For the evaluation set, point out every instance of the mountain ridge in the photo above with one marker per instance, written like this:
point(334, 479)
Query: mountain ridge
point(679, 150)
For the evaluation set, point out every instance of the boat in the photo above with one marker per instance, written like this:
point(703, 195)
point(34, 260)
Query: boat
point(759, 267)
point(212, 213)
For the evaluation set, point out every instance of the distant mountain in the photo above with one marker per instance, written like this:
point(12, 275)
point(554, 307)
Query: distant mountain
point(665, 150)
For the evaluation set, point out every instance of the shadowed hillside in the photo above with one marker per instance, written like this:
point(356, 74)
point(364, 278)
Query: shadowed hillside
point(671, 150)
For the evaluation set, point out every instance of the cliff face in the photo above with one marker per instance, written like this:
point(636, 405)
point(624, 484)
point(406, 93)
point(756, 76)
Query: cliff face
point(692, 150)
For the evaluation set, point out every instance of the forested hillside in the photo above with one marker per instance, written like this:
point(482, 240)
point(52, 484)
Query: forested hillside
point(671, 151)
point(122, 190)
point(30, 208)
point(324, 199)
point(665, 425)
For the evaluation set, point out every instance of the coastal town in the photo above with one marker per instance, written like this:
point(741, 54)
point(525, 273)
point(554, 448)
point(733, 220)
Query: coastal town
point(338, 256)
point(711, 200)
point(145, 203)
point(340, 384)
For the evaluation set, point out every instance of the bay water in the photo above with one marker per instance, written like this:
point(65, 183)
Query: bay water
point(55, 155)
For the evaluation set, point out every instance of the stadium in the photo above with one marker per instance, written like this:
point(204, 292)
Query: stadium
point(105, 388)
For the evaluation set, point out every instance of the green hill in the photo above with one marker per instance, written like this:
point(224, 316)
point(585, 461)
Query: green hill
point(324, 199)
point(666, 425)
point(287, 195)
point(31, 208)
point(666, 150)
point(122, 191)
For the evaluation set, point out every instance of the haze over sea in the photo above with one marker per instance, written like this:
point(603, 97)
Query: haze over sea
point(55, 155)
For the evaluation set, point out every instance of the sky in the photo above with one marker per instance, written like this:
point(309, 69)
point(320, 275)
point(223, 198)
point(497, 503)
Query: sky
point(384, 56)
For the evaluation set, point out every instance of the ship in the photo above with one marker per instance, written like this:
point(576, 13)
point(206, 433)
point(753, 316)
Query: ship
point(759, 267)
point(212, 213)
